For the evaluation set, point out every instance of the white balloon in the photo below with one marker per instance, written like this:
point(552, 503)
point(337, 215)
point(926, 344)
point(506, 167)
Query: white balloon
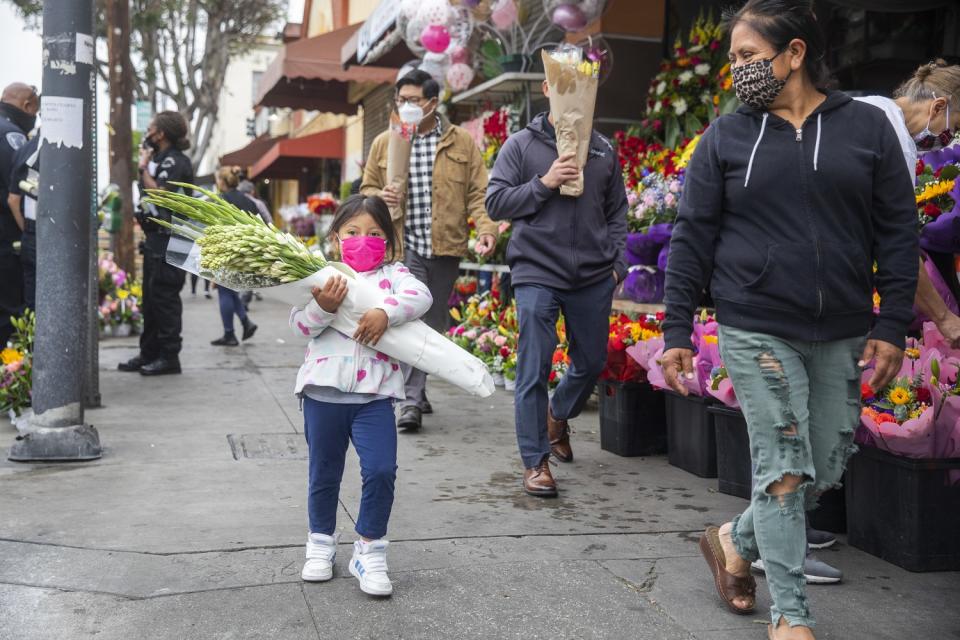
point(434, 12)
point(436, 64)
point(408, 8)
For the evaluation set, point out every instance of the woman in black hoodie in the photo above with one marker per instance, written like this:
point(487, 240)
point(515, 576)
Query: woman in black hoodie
point(787, 205)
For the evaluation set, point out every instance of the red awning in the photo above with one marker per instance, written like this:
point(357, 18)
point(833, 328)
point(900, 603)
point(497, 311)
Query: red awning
point(308, 74)
point(291, 158)
point(248, 156)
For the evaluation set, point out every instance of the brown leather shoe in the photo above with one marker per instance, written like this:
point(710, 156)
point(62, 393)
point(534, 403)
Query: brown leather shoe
point(559, 433)
point(539, 482)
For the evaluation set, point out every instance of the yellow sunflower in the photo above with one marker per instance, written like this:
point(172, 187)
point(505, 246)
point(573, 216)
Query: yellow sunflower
point(899, 395)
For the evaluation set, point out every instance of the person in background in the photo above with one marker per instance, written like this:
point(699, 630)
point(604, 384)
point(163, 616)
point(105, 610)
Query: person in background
point(162, 162)
point(194, 278)
point(445, 190)
point(565, 256)
point(248, 189)
point(228, 179)
point(19, 104)
point(929, 103)
point(24, 182)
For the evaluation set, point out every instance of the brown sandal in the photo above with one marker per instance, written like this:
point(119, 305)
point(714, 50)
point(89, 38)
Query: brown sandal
point(729, 586)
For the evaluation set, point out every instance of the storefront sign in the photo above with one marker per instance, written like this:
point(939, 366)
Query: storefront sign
point(382, 18)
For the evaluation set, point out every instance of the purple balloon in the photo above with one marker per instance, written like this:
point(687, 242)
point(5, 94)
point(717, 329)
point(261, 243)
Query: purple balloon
point(569, 17)
point(471, 3)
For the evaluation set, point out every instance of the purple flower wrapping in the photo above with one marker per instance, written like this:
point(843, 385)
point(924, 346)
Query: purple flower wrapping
point(642, 286)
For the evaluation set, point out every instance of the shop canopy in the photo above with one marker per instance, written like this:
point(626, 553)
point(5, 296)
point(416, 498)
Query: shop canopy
point(247, 156)
point(308, 74)
point(291, 158)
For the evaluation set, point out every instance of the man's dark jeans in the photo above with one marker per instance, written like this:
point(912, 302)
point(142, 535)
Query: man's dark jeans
point(587, 315)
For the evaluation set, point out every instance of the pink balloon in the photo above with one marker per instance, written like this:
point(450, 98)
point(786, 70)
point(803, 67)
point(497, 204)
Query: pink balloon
point(459, 76)
point(504, 14)
point(435, 38)
point(460, 55)
point(569, 17)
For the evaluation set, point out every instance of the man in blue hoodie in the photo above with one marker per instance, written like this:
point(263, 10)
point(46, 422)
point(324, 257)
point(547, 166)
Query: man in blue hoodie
point(565, 255)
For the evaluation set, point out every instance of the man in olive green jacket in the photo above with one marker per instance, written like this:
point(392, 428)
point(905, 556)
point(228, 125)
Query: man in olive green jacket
point(446, 187)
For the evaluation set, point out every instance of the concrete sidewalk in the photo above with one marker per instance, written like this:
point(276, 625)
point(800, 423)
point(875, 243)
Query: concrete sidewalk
point(193, 523)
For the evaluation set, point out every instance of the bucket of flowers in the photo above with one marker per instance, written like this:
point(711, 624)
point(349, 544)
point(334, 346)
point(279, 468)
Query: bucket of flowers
point(632, 421)
point(903, 487)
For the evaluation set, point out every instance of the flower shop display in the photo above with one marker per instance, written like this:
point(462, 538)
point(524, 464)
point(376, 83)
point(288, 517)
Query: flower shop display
point(631, 412)
point(118, 309)
point(497, 125)
point(692, 89)
point(903, 486)
point(240, 251)
point(16, 366)
point(938, 199)
point(694, 86)
point(573, 81)
point(918, 414)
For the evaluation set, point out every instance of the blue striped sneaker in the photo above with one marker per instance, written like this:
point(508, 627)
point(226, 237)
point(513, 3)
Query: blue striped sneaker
point(369, 566)
point(321, 554)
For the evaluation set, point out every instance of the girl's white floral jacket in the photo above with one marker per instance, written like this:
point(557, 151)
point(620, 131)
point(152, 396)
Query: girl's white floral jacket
point(337, 361)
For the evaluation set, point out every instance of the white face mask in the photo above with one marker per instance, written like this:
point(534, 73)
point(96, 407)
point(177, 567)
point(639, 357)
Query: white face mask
point(410, 113)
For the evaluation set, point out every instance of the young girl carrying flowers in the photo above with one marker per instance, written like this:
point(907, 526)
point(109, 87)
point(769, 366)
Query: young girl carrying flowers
point(347, 388)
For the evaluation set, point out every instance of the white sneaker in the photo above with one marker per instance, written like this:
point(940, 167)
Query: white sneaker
point(321, 553)
point(369, 566)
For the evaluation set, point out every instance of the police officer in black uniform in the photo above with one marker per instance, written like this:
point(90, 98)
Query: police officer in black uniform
point(161, 162)
point(19, 104)
point(24, 185)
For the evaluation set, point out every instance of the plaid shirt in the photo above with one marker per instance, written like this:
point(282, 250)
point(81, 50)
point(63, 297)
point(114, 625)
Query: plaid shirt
point(417, 229)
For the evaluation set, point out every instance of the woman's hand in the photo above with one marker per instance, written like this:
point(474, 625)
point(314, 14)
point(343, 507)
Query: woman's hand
point(332, 294)
point(371, 327)
point(677, 362)
point(888, 357)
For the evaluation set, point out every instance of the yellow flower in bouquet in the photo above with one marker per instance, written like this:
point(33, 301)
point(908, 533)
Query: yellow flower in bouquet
point(123, 294)
point(136, 290)
point(688, 152)
point(899, 395)
point(935, 190)
point(10, 356)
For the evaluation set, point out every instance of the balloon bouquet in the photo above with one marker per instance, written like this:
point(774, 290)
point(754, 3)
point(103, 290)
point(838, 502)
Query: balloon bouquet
point(439, 33)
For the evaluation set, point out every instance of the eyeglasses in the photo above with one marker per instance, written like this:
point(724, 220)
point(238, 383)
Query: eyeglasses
point(417, 100)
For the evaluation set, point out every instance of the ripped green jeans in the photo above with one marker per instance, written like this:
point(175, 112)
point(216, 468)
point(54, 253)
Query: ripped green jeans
point(801, 401)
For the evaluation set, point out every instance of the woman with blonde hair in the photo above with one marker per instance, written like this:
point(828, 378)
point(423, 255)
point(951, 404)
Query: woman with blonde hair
point(228, 178)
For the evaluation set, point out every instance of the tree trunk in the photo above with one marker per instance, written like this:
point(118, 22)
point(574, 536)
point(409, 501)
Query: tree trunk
point(121, 141)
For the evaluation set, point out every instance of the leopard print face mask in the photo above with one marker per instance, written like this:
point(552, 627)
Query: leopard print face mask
point(756, 85)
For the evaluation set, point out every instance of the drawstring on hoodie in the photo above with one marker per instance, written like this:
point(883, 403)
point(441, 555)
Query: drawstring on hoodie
point(763, 127)
point(816, 147)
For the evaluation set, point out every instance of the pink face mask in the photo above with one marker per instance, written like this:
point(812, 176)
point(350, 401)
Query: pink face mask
point(363, 253)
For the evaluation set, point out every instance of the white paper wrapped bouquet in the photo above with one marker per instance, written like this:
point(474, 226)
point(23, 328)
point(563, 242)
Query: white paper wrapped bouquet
point(216, 240)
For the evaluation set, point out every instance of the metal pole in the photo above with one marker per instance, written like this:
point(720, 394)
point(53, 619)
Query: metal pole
point(91, 388)
point(56, 430)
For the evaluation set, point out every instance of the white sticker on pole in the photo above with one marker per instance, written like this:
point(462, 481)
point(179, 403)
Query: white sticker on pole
point(62, 121)
point(85, 50)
